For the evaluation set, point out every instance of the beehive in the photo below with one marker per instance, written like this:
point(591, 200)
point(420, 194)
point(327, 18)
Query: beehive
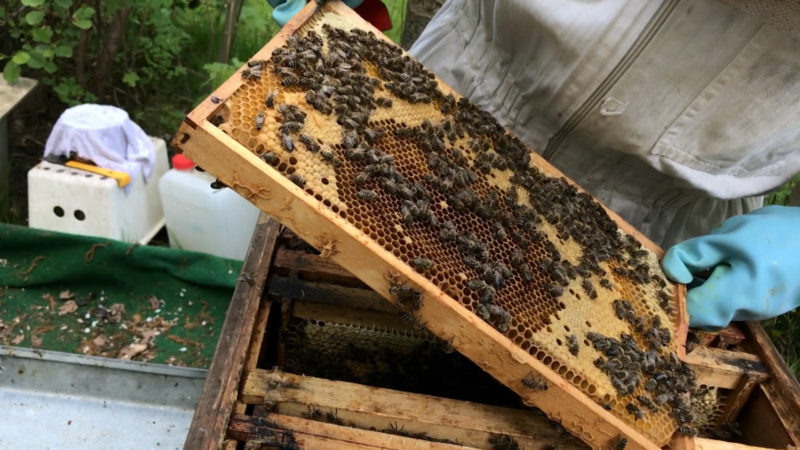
point(459, 222)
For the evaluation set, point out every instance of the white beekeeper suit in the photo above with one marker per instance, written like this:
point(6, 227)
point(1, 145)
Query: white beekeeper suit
point(675, 114)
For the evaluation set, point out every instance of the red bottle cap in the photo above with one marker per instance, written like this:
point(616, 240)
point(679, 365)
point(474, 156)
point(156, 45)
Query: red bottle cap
point(181, 162)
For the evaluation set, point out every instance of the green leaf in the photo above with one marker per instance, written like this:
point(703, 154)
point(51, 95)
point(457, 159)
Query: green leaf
point(84, 13)
point(33, 3)
point(11, 72)
point(50, 67)
point(21, 57)
point(63, 51)
point(65, 4)
point(34, 17)
point(48, 53)
point(37, 60)
point(130, 78)
point(43, 34)
point(83, 24)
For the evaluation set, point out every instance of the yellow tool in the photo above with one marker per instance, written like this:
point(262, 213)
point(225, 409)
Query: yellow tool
point(123, 179)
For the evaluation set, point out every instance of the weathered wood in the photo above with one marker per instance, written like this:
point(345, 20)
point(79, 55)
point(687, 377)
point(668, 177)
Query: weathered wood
point(310, 434)
point(315, 264)
point(377, 408)
point(724, 368)
point(736, 400)
point(759, 424)
point(329, 293)
point(220, 389)
point(254, 350)
point(782, 389)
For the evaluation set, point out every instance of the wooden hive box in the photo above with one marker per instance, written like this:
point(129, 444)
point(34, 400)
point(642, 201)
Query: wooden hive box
point(374, 380)
point(382, 167)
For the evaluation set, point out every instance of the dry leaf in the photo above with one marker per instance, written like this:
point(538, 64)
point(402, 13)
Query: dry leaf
point(115, 312)
point(155, 303)
point(130, 351)
point(66, 295)
point(100, 340)
point(50, 300)
point(68, 307)
point(36, 342)
point(17, 339)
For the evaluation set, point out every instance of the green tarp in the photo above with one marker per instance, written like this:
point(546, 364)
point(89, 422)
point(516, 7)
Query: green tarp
point(174, 300)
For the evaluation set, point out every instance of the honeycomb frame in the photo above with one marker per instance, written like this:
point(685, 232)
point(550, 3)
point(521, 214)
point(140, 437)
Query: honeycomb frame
point(357, 251)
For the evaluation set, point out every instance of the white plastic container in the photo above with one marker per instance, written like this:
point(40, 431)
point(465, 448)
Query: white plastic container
point(70, 200)
point(214, 221)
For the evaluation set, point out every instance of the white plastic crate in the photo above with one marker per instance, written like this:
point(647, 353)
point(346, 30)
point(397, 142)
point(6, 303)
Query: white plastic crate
point(74, 201)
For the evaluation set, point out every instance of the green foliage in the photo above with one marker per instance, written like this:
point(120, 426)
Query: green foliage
point(781, 195)
point(154, 58)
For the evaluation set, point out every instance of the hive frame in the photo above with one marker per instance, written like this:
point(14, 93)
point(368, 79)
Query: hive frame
point(269, 190)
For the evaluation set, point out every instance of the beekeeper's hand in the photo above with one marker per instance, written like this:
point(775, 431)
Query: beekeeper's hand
point(284, 10)
point(755, 263)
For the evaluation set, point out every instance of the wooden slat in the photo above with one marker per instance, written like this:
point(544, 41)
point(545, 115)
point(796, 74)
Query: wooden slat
point(310, 434)
point(220, 389)
point(254, 349)
point(735, 401)
point(782, 389)
point(378, 408)
point(302, 261)
point(329, 293)
point(724, 368)
point(697, 443)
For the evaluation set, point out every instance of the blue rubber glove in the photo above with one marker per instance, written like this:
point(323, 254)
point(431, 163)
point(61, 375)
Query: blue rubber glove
point(756, 268)
point(284, 10)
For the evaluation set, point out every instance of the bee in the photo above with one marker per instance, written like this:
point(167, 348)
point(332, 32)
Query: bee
point(499, 232)
point(525, 272)
point(555, 289)
point(620, 444)
point(623, 310)
point(633, 409)
point(367, 194)
point(421, 263)
point(383, 102)
point(447, 234)
point(534, 382)
point(372, 135)
point(471, 262)
point(572, 344)
point(644, 401)
point(606, 284)
point(406, 295)
point(287, 142)
point(309, 142)
point(589, 289)
point(217, 184)
point(259, 120)
point(270, 158)
point(252, 73)
point(291, 127)
point(419, 97)
point(270, 99)
point(687, 430)
point(494, 315)
point(297, 179)
point(651, 385)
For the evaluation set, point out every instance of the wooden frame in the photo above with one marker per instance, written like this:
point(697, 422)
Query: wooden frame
point(214, 150)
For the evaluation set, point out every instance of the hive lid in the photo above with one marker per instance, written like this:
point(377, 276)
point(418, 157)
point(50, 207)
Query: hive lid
point(364, 154)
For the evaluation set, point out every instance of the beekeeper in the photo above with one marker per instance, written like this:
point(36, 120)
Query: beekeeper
point(678, 115)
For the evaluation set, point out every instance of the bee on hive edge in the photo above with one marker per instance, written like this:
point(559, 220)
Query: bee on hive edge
point(620, 444)
point(535, 382)
point(297, 179)
point(270, 158)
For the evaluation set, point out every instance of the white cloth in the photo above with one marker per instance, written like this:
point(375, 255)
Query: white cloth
point(104, 134)
point(676, 114)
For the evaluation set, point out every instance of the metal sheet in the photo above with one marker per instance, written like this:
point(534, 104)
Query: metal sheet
point(65, 401)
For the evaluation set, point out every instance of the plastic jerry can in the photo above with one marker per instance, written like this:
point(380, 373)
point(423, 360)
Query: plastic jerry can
point(200, 218)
